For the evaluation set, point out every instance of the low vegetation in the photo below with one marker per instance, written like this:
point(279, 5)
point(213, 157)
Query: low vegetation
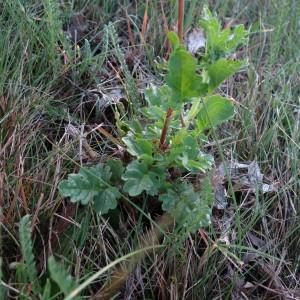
point(138, 164)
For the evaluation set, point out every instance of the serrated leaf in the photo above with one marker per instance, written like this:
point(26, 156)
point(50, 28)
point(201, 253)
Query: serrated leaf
point(78, 188)
point(155, 113)
point(238, 37)
point(202, 162)
point(106, 200)
point(182, 202)
point(186, 154)
point(135, 126)
point(215, 110)
point(82, 187)
point(116, 168)
point(138, 178)
point(27, 252)
point(182, 77)
point(220, 43)
point(91, 184)
point(158, 96)
point(221, 70)
point(190, 146)
point(138, 147)
point(207, 193)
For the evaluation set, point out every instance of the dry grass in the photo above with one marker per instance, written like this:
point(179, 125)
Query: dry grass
point(48, 85)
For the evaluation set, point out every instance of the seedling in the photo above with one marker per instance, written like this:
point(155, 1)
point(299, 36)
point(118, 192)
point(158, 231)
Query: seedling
point(170, 145)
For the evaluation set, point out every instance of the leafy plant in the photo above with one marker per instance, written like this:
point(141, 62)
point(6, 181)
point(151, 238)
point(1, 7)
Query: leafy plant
point(27, 253)
point(92, 185)
point(170, 145)
point(62, 278)
point(220, 43)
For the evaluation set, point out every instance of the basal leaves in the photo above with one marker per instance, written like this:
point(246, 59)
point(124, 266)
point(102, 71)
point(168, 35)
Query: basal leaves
point(162, 145)
point(91, 185)
point(139, 177)
point(190, 208)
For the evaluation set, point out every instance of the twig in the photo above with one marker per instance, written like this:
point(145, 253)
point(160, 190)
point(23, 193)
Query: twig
point(110, 137)
point(180, 19)
point(164, 132)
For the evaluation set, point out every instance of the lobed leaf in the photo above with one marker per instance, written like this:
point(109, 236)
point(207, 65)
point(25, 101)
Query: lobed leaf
point(158, 97)
point(190, 209)
point(106, 200)
point(139, 177)
point(220, 43)
point(91, 185)
point(116, 168)
point(186, 154)
point(138, 146)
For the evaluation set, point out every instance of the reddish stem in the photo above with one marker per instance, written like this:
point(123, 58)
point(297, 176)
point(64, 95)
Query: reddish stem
point(180, 19)
point(164, 132)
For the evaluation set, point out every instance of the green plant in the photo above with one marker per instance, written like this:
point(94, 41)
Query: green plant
point(29, 269)
point(61, 277)
point(169, 146)
point(27, 272)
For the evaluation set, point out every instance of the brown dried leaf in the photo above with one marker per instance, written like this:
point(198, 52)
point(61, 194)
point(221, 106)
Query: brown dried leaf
point(246, 177)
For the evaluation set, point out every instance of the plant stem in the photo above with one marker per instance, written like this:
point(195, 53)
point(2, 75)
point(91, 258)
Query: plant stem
point(167, 122)
point(182, 120)
point(180, 19)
